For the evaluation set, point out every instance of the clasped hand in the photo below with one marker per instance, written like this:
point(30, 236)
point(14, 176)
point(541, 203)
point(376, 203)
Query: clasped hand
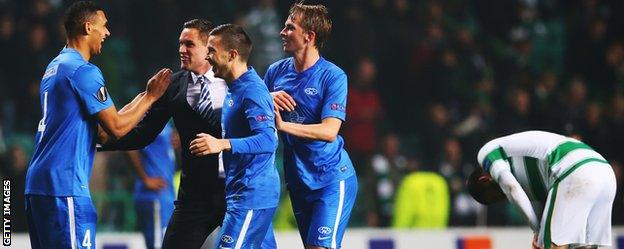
point(205, 144)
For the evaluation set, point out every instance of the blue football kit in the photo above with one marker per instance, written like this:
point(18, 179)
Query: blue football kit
point(252, 182)
point(58, 204)
point(154, 208)
point(319, 175)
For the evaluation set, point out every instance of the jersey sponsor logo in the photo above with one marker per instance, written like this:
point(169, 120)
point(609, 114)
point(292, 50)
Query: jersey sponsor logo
point(324, 230)
point(337, 107)
point(343, 168)
point(227, 239)
point(294, 117)
point(50, 72)
point(262, 118)
point(310, 91)
point(323, 237)
point(102, 94)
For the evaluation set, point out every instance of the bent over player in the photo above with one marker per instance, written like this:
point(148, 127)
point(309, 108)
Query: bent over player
point(574, 182)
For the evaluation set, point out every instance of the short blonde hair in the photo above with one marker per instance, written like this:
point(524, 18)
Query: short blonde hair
point(313, 18)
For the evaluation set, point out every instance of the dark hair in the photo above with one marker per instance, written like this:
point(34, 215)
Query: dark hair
point(77, 15)
point(234, 37)
point(485, 193)
point(313, 18)
point(202, 25)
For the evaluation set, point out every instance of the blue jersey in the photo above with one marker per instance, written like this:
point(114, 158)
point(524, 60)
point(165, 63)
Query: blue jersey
point(72, 91)
point(158, 160)
point(252, 181)
point(320, 92)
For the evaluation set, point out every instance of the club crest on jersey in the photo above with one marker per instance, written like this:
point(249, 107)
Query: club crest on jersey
point(102, 94)
point(294, 117)
point(227, 239)
point(324, 230)
point(310, 91)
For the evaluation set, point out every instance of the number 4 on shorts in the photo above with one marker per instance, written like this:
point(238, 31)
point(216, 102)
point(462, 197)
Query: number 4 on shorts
point(86, 242)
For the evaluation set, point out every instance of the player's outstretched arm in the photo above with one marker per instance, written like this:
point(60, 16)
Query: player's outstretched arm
point(132, 103)
point(326, 131)
point(117, 124)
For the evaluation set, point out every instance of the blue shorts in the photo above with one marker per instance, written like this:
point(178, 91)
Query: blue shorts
point(61, 222)
point(247, 228)
point(323, 214)
point(153, 217)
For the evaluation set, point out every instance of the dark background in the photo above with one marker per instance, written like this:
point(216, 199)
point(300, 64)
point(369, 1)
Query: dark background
point(429, 83)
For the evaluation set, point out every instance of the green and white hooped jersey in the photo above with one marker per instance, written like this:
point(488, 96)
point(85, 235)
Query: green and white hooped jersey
point(536, 158)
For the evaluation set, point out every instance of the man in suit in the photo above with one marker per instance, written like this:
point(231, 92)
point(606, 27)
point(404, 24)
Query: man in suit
point(194, 100)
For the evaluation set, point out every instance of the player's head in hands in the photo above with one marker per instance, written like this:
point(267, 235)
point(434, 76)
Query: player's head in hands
point(229, 46)
point(307, 26)
point(194, 45)
point(86, 26)
point(483, 188)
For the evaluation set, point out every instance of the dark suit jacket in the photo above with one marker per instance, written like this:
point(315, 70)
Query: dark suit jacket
point(199, 182)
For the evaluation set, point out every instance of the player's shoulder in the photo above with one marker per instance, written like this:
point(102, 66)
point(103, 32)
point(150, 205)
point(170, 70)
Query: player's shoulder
point(330, 68)
point(67, 64)
point(330, 75)
point(256, 89)
point(86, 71)
point(280, 65)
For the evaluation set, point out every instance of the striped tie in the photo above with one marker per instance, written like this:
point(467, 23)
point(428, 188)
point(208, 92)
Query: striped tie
point(204, 106)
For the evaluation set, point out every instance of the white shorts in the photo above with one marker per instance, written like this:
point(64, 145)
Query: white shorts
point(578, 208)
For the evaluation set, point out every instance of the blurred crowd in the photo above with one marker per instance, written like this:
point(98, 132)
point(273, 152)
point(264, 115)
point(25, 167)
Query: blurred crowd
point(429, 83)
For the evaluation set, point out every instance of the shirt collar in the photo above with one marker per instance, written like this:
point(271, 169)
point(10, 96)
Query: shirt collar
point(209, 76)
point(311, 69)
point(71, 50)
point(245, 77)
point(68, 50)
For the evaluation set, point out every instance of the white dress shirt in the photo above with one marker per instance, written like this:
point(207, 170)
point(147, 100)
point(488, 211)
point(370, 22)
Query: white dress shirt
point(218, 89)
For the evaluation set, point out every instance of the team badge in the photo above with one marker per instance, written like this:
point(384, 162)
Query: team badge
point(294, 117)
point(102, 94)
point(324, 230)
point(310, 91)
point(227, 239)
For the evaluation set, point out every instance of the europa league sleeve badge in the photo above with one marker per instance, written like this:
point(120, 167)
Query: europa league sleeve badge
point(102, 94)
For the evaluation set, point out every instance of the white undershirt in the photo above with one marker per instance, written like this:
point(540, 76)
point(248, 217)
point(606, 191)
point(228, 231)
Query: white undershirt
point(217, 87)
